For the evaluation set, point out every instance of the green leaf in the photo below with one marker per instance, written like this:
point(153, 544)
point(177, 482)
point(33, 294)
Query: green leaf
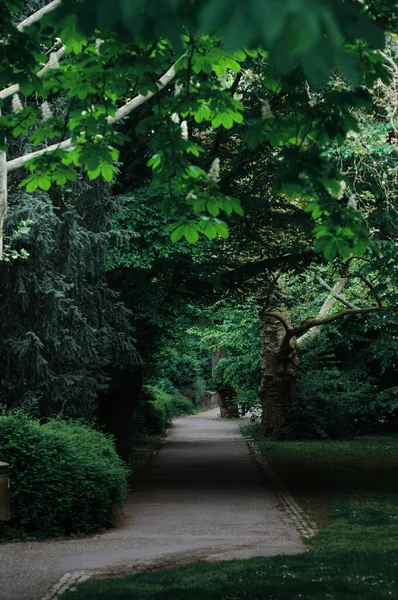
point(227, 121)
point(94, 174)
point(213, 208)
point(32, 186)
point(191, 234)
point(154, 161)
point(210, 230)
point(196, 172)
point(60, 179)
point(107, 171)
point(178, 233)
point(360, 248)
point(343, 249)
point(222, 229)
point(44, 182)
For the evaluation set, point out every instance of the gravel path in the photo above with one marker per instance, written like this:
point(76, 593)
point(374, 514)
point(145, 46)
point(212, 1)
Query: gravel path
point(204, 498)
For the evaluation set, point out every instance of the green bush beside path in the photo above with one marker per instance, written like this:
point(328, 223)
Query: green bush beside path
point(66, 478)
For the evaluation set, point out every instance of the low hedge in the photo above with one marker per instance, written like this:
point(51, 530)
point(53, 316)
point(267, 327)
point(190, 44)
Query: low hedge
point(156, 410)
point(66, 478)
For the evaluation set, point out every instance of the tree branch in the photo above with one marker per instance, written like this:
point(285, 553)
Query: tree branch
point(21, 160)
point(296, 331)
point(337, 296)
point(14, 89)
point(389, 60)
point(39, 14)
point(316, 324)
point(370, 286)
point(140, 99)
point(120, 114)
point(325, 309)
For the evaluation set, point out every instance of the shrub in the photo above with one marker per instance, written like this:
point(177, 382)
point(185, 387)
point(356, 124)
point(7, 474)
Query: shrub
point(332, 404)
point(156, 410)
point(194, 392)
point(66, 478)
point(181, 406)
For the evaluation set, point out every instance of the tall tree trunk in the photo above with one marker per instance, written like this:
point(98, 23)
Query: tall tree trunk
point(118, 406)
point(225, 394)
point(279, 373)
point(3, 196)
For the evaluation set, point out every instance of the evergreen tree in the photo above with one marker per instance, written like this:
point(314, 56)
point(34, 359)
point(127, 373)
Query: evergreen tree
point(62, 327)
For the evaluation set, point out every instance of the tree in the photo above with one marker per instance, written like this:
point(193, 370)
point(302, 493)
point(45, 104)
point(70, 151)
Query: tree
point(62, 326)
point(115, 70)
point(90, 111)
point(256, 122)
point(280, 343)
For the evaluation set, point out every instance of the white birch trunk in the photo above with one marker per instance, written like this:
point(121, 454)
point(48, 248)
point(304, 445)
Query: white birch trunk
point(327, 306)
point(19, 162)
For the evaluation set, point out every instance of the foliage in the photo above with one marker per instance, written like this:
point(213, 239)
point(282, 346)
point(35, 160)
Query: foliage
point(344, 389)
point(300, 123)
point(48, 465)
point(157, 408)
point(62, 326)
point(331, 405)
point(317, 36)
point(182, 363)
point(159, 279)
point(235, 325)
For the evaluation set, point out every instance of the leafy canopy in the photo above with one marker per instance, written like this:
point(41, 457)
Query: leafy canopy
point(181, 53)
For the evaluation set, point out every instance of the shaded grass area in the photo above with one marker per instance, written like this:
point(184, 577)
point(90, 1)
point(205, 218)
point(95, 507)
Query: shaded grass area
point(355, 556)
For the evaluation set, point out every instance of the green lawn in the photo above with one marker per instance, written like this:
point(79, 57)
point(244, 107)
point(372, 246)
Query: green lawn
point(351, 488)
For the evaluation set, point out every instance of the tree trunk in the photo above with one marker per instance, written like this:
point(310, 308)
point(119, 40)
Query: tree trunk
point(118, 406)
point(224, 394)
point(3, 196)
point(279, 373)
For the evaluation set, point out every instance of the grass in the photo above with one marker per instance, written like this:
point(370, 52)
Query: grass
point(350, 487)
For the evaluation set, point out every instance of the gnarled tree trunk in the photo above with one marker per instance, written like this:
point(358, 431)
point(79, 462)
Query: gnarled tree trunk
point(279, 373)
point(278, 388)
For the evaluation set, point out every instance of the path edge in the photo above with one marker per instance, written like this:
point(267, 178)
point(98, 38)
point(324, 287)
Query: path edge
point(301, 520)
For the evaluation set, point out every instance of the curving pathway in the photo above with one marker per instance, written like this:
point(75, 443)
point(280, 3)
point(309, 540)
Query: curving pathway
point(204, 498)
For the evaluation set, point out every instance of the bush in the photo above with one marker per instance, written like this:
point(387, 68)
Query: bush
point(156, 410)
point(332, 404)
point(66, 478)
point(181, 406)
